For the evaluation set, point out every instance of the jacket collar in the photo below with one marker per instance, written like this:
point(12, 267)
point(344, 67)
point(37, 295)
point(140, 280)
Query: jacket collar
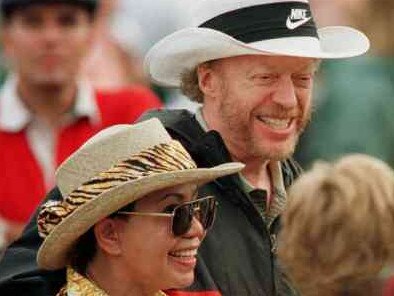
point(206, 148)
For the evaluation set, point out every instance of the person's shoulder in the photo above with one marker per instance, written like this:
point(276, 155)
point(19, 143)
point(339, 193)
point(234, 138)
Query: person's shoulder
point(180, 123)
point(168, 116)
point(125, 105)
point(130, 94)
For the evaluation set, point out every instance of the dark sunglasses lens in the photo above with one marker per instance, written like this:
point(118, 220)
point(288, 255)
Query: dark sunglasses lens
point(204, 210)
point(206, 214)
point(182, 222)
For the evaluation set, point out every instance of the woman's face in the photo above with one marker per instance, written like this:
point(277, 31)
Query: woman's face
point(150, 252)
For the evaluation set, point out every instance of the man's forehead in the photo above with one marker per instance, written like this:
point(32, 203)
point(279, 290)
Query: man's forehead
point(38, 6)
point(270, 62)
point(55, 7)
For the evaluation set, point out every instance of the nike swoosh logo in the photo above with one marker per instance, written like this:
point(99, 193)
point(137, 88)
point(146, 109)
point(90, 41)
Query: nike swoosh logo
point(294, 25)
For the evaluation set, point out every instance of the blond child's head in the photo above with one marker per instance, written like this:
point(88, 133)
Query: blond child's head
point(338, 229)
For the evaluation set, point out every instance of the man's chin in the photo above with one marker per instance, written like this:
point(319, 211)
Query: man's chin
point(50, 78)
point(280, 155)
point(277, 153)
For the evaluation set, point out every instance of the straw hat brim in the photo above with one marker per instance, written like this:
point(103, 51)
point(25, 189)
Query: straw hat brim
point(56, 246)
point(189, 47)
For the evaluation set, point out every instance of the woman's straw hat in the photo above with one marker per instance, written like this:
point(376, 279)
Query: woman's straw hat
point(112, 169)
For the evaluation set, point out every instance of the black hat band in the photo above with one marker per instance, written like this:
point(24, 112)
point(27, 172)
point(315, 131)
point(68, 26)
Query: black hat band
point(267, 21)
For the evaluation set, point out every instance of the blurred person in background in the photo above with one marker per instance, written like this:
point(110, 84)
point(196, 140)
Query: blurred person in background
point(113, 60)
point(337, 230)
point(46, 110)
point(354, 103)
point(124, 31)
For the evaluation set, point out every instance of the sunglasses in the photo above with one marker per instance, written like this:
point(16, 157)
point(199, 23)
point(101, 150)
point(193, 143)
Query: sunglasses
point(203, 209)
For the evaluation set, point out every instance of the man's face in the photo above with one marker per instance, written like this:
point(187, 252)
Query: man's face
point(259, 104)
point(46, 43)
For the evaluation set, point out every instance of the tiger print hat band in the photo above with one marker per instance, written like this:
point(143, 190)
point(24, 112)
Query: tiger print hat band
point(161, 158)
point(114, 168)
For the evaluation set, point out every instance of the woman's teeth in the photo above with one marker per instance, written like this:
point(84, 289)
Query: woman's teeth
point(184, 253)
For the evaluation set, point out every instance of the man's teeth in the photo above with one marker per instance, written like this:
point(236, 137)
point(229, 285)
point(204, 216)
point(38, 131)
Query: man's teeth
point(184, 253)
point(274, 122)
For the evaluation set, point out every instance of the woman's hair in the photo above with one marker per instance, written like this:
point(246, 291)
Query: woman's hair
point(85, 248)
point(338, 227)
point(83, 251)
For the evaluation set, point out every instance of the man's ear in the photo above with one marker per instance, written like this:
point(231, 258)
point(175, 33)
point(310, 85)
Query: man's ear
point(7, 41)
point(208, 79)
point(108, 236)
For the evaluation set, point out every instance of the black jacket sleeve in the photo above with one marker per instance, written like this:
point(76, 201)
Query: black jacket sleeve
point(19, 273)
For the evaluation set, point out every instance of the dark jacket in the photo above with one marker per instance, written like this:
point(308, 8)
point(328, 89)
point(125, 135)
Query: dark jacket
point(236, 256)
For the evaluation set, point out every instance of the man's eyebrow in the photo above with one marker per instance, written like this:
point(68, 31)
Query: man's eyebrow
point(311, 68)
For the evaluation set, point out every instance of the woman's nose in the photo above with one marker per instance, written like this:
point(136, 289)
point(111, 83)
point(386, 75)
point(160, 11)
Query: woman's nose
point(196, 229)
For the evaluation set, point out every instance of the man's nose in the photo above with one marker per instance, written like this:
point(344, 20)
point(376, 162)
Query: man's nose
point(51, 32)
point(285, 93)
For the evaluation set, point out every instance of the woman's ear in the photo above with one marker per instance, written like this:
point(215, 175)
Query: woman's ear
point(108, 236)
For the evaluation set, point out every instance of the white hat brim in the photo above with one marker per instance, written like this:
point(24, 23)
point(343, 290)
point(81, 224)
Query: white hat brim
point(55, 248)
point(189, 47)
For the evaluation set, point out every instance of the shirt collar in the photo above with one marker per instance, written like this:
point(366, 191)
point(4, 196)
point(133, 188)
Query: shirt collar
point(79, 285)
point(274, 167)
point(200, 119)
point(86, 104)
point(14, 116)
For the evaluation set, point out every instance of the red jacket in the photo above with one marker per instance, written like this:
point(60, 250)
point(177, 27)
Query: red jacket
point(21, 182)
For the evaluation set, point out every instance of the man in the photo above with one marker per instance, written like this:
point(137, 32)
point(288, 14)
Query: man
point(254, 80)
point(46, 111)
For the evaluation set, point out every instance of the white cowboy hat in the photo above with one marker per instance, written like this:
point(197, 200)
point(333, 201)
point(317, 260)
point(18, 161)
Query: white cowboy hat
point(226, 28)
point(114, 168)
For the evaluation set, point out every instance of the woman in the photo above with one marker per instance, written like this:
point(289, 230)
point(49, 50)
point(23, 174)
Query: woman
point(130, 222)
point(337, 230)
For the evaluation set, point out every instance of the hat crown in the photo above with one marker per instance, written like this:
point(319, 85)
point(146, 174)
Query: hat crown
point(106, 149)
point(208, 9)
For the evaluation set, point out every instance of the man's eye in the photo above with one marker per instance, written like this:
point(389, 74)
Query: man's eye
point(169, 209)
point(264, 78)
point(32, 21)
point(304, 80)
point(68, 20)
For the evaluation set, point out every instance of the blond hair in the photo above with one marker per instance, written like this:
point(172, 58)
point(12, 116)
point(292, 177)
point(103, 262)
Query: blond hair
point(190, 86)
point(375, 18)
point(338, 227)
